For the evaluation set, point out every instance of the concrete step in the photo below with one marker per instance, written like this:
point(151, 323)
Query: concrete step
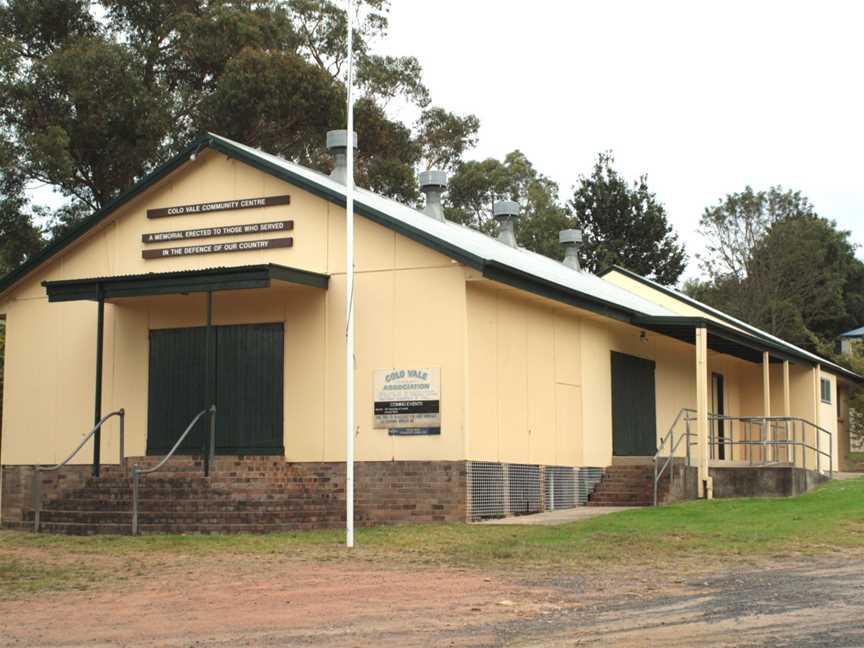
point(215, 518)
point(253, 494)
point(180, 494)
point(74, 528)
point(198, 504)
point(624, 492)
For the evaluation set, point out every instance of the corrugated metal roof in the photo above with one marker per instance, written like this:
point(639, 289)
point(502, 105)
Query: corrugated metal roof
point(513, 266)
point(705, 308)
point(854, 333)
point(476, 243)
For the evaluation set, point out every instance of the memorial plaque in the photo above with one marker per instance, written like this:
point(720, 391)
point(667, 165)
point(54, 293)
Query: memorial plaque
point(225, 205)
point(224, 230)
point(216, 248)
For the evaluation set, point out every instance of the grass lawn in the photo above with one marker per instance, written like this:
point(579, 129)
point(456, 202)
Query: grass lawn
point(828, 519)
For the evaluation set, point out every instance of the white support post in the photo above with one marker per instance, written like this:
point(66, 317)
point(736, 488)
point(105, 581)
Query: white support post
point(766, 404)
point(817, 399)
point(349, 295)
point(705, 486)
point(787, 411)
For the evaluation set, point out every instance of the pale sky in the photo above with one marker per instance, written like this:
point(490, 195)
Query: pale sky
point(704, 97)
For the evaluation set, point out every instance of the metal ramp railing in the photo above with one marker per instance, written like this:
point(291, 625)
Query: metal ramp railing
point(771, 440)
point(670, 444)
point(758, 440)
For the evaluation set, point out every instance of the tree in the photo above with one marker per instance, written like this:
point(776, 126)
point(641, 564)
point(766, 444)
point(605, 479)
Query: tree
point(445, 137)
point(624, 225)
point(269, 73)
point(90, 135)
point(802, 283)
point(477, 185)
point(736, 225)
point(20, 238)
point(275, 101)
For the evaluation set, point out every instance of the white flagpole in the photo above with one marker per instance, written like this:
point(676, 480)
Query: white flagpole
point(349, 292)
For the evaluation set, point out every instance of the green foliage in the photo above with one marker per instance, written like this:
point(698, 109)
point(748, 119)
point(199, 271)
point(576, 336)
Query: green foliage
point(624, 225)
point(734, 227)
point(268, 73)
point(19, 237)
point(388, 153)
point(88, 134)
point(275, 101)
point(35, 28)
point(445, 137)
point(476, 185)
point(778, 265)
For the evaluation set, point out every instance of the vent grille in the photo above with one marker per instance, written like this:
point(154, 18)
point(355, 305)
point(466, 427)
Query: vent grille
point(526, 494)
point(486, 490)
point(497, 490)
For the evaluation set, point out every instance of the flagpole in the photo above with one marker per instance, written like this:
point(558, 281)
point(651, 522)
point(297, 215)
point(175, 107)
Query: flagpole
point(349, 298)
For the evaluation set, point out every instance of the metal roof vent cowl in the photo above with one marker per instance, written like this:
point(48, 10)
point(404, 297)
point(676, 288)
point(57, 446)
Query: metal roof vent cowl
point(506, 212)
point(337, 144)
point(571, 239)
point(433, 184)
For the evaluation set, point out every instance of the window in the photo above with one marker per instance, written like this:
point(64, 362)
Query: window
point(826, 390)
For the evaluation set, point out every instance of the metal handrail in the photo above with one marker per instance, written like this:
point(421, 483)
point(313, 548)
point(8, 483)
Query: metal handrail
point(765, 423)
point(769, 446)
point(208, 457)
point(669, 437)
point(36, 486)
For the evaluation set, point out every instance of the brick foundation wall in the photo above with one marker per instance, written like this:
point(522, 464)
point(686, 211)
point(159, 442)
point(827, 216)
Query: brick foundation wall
point(386, 492)
point(17, 482)
point(390, 492)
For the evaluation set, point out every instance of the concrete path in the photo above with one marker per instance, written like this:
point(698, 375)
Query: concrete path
point(560, 517)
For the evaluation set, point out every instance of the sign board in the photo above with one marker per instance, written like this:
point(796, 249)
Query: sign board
point(226, 205)
point(420, 431)
point(214, 248)
point(408, 398)
point(210, 232)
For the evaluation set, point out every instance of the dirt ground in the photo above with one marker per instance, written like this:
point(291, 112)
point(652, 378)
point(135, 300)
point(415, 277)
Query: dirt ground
point(272, 601)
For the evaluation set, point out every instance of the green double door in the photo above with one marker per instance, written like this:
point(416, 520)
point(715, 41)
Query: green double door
point(247, 373)
point(634, 408)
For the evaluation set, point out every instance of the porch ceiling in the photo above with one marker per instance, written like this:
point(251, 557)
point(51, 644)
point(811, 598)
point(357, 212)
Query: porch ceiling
point(180, 282)
point(720, 338)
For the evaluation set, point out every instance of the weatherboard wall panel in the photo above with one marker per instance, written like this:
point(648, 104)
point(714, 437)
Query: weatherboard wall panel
point(515, 409)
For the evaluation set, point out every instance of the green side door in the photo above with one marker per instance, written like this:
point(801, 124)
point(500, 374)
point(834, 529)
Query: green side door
point(634, 408)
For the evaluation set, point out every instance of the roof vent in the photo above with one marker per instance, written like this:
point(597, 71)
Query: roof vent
point(571, 239)
point(337, 144)
point(433, 184)
point(506, 212)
